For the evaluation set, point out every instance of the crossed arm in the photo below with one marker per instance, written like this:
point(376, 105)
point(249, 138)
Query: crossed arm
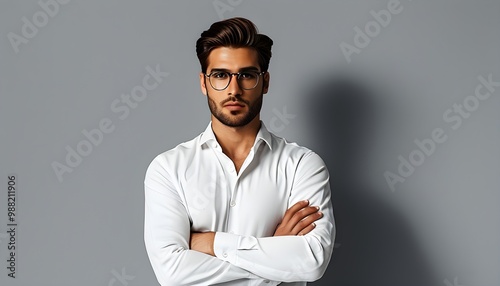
point(298, 220)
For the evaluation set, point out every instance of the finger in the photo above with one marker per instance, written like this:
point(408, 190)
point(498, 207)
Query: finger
point(292, 210)
point(306, 222)
point(300, 215)
point(307, 229)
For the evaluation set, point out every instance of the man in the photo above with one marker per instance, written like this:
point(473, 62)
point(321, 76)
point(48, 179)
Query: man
point(237, 205)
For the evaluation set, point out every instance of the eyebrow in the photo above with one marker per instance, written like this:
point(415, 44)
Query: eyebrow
point(250, 68)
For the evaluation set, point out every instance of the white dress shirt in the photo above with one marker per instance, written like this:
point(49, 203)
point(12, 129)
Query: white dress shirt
point(195, 187)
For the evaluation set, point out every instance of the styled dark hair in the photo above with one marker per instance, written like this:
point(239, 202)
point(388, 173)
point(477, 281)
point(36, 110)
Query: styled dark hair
point(235, 33)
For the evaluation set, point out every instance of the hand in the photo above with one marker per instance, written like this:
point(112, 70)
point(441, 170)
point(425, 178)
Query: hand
point(298, 219)
point(202, 242)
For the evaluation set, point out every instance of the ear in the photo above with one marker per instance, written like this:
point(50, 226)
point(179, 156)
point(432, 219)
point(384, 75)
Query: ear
point(266, 78)
point(202, 83)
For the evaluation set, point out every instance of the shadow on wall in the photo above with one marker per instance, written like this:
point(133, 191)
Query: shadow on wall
point(374, 244)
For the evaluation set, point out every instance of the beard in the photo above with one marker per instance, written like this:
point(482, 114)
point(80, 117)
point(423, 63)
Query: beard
point(236, 119)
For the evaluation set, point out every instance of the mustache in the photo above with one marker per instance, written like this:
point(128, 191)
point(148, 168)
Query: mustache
point(234, 99)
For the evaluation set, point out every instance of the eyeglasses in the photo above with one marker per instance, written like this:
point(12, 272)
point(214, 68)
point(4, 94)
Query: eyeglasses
point(220, 80)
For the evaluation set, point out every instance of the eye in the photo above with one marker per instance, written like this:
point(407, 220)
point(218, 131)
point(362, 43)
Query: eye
point(248, 75)
point(219, 75)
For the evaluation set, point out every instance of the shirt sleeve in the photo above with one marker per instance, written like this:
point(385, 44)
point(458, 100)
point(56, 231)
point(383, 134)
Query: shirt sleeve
point(289, 258)
point(166, 236)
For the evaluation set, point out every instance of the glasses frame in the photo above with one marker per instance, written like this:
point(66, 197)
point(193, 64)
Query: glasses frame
point(231, 74)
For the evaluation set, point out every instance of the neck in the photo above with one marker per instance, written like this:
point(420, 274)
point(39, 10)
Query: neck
point(236, 142)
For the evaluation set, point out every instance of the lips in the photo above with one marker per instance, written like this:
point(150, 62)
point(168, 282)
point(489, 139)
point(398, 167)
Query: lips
point(234, 105)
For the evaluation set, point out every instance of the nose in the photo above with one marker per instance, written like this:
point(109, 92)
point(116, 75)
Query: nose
point(234, 87)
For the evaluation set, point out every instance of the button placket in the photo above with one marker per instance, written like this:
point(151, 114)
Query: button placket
point(232, 204)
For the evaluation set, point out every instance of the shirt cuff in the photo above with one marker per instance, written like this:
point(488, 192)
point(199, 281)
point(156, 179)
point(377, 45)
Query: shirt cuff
point(226, 245)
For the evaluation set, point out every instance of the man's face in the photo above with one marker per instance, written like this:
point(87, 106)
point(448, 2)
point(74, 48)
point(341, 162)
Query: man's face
point(234, 106)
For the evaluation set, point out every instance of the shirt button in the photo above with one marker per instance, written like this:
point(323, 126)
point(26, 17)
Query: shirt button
point(225, 254)
point(232, 203)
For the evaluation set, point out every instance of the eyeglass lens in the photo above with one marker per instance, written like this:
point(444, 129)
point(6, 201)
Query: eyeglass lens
point(246, 80)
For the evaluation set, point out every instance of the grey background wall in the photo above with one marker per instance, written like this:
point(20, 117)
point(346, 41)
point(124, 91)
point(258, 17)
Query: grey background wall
point(402, 104)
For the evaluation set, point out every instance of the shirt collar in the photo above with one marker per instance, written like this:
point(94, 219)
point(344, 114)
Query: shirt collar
point(208, 136)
